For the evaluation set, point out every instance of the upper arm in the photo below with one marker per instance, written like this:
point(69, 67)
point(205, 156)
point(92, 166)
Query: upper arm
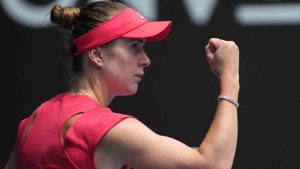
point(131, 142)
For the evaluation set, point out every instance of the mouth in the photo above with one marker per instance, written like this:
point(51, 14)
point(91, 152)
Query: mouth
point(139, 76)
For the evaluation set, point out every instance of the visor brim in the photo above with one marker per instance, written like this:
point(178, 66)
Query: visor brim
point(152, 31)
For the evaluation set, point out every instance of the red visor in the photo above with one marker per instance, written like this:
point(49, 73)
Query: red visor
point(127, 24)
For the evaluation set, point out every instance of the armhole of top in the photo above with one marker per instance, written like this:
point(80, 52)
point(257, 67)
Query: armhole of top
point(31, 123)
point(69, 122)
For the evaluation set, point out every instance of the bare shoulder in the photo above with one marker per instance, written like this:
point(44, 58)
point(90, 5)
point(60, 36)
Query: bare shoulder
point(132, 142)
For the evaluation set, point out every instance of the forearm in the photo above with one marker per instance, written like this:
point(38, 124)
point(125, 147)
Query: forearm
point(219, 144)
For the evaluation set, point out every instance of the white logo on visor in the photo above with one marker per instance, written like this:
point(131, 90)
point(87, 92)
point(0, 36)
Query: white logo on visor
point(140, 15)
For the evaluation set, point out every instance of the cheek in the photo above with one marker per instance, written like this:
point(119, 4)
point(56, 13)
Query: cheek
point(119, 71)
point(117, 75)
point(123, 67)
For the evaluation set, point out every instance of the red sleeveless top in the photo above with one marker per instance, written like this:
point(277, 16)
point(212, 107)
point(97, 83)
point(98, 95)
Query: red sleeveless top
point(42, 148)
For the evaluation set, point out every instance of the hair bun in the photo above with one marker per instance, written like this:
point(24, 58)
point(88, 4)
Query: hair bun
point(64, 16)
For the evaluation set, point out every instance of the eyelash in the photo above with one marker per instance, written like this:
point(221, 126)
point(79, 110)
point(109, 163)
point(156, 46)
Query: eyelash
point(136, 47)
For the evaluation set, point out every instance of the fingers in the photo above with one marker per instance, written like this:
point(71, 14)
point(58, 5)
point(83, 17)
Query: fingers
point(214, 44)
point(208, 51)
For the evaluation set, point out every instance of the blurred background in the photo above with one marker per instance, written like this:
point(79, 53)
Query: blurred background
point(178, 95)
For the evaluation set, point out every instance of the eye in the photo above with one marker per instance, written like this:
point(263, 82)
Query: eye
point(134, 45)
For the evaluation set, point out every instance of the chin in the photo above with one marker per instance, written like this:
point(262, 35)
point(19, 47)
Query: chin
point(129, 92)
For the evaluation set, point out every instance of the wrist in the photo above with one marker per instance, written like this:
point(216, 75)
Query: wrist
point(229, 76)
point(234, 102)
point(229, 86)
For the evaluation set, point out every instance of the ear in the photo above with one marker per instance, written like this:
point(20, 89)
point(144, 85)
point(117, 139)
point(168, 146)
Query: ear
point(95, 55)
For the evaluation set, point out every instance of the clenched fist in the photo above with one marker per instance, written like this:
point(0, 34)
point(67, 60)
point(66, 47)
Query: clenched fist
point(223, 57)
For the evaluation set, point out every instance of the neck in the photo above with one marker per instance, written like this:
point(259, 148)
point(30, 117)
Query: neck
point(93, 87)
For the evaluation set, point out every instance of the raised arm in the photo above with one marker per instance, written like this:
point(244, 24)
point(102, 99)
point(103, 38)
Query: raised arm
point(219, 143)
point(131, 142)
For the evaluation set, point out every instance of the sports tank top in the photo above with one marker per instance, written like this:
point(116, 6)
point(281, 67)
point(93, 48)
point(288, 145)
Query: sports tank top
point(42, 147)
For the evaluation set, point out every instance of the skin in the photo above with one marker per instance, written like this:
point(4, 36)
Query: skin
point(116, 71)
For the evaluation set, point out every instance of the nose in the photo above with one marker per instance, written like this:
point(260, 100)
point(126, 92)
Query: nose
point(145, 61)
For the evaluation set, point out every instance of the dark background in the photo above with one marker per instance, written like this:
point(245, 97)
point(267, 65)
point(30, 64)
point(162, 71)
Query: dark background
point(178, 95)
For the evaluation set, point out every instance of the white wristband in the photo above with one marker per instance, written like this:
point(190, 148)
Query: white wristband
point(235, 103)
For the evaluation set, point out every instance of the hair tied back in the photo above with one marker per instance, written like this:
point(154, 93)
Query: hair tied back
point(64, 16)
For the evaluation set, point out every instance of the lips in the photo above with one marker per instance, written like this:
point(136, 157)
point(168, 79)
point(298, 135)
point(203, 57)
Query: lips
point(139, 76)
